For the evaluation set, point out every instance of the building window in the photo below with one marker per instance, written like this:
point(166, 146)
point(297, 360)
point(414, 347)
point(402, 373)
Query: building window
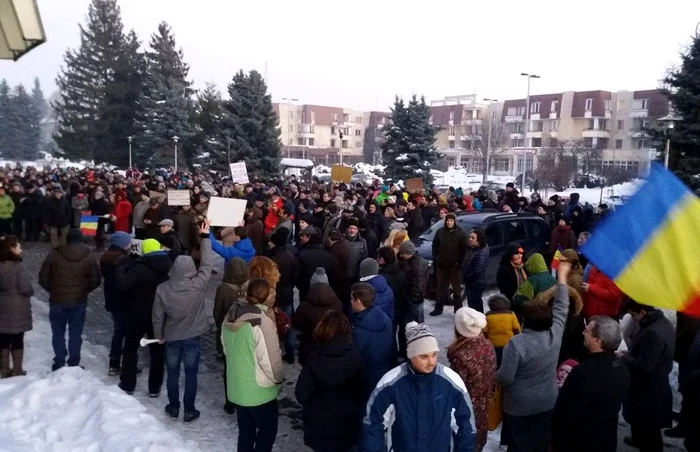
point(311, 128)
point(467, 145)
point(311, 141)
point(358, 119)
point(291, 128)
point(645, 104)
point(620, 124)
point(519, 163)
point(452, 131)
point(303, 117)
point(535, 107)
point(602, 143)
point(518, 127)
point(537, 142)
point(618, 144)
point(358, 132)
point(344, 144)
point(358, 144)
point(346, 117)
point(335, 116)
point(494, 115)
point(452, 144)
point(588, 142)
point(602, 124)
point(291, 141)
point(313, 117)
point(291, 114)
point(553, 142)
point(589, 104)
point(643, 144)
point(502, 165)
point(555, 104)
point(477, 114)
point(517, 143)
point(645, 123)
point(554, 126)
point(332, 142)
point(452, 116)
point(512, 111)
point(608, 104)
point(591, 124)
point(521, 111)
point(536, 126)
point(300, 141)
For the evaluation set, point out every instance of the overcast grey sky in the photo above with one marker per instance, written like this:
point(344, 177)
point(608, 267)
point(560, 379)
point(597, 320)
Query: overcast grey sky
point(360, 53)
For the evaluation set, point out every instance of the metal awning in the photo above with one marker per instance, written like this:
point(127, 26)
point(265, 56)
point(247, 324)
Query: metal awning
point(295, 163)
point(21, 29)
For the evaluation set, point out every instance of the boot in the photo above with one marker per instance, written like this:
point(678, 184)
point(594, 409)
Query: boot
point(17, 358)
point(4, 363)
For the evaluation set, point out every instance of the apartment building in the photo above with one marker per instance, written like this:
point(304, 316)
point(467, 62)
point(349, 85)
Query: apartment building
point(326, 135)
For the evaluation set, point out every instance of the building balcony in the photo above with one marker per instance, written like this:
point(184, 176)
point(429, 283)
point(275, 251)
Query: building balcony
point(469, 137)
point(638, 134)
point(306, 135)
point(534, 134)
point(514, 118)
point(552, 115)
point(451, 138)
point(553, 134)
point(517, 136)
point(473, 122)
point(595, 133)
point(639, 113)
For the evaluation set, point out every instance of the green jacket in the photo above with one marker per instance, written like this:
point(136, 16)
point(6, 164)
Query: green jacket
point(253, 356)
point(539, 280)
point(7, 207)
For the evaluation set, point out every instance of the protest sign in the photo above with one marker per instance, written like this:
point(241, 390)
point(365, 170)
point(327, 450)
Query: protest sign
point(226, 212)
point(136, 247)
point(178, 197)
point(239, 173)
point(341, 173)
point(414, 185)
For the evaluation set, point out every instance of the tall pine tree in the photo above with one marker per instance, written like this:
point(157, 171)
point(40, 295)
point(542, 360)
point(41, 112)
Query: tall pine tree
point(37, 112)
point(5, 122)
point(166, 102)
point(251, 123)
point(409, 148)
point(211, 141)
point(683, 90)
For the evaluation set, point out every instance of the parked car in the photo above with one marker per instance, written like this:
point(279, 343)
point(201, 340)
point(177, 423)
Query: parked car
point(527, 229)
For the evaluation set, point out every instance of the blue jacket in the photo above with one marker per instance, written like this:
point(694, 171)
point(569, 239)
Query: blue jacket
point(384, 296)
point(373, 335)
point(475, 273)
point(421, 416)
point(243, 249)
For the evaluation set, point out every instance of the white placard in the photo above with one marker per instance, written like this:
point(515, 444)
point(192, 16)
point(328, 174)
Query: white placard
point(239, 173)
point(179, 197)
point(136, 247)
point(226, 211)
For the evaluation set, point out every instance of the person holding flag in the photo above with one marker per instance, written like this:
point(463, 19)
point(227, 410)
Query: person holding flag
point(562, 237)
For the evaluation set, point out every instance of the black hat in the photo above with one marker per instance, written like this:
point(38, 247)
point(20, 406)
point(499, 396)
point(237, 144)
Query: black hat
point(335, 234)
point(354, 222)
point(167, 241)
point(510, 185)
point(279, 237)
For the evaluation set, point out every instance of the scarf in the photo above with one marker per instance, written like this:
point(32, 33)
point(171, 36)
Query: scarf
point(519, 273)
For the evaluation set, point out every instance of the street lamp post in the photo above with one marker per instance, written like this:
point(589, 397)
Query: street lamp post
point(527, 124)
point(130, 138)
point(670, 121)
point(488, 140)
point(289, 132)
point(175, 140)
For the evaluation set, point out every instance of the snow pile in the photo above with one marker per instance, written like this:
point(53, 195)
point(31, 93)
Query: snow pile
point(610, 195)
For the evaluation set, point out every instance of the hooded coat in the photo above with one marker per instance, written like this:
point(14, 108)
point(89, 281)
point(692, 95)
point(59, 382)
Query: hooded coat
point(319, 300)
point(69, 274)
point(256, 230)
point(15, 292)
point(339, 279)
point(450, 247)
point(122, 213)
point(331, 390)
point(562, 236)
point(506, 277)
point(110, 260)
point(289, 269)
point(377, 222)
point(383, 295)
point(603, 296)
point(57, 212)
point(539, 280)
point(312, 256)
point(139, 280)
point(243, 248)
point(179, 310)
point(396, 280)
point(232, 288)
point(373, 335)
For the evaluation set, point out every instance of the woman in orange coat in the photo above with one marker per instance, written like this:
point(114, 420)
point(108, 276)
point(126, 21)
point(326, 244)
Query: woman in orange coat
point(121, 214)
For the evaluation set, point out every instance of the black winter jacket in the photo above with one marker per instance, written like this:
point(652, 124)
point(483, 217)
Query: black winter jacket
point(57, 212)
point(312, 256)
point(33, 206)
point(111, 259)
point(416, 273)
point(415, 223)
point(139, 280)
point(397, 281)
point(289, 270)
point(449, 247)
point(478, 265)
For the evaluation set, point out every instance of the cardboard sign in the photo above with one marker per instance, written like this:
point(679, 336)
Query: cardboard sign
point(178, 197)
point(414, 185)
point(341, 173)
point(226, 211)
point(136, 247)
point(239, 173)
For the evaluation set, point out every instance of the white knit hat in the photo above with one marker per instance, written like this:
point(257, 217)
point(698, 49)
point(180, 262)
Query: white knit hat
point(419, 340)
point(469, 322)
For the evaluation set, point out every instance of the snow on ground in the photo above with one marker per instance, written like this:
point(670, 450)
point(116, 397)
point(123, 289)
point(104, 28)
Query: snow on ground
point(73, 409)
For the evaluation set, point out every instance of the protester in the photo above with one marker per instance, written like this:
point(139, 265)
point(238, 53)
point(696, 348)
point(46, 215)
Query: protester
point(311, 257)
point(242, 246)
point(511, 273)
point(15, 307)
point(475, 272)
point(383, 295)
point(7, 210)
point(601, 296)
point(179, 319)
point(562, 237)
point(289, 270)
point(340, 279)
point(416, 273)
point(57, 216)
point(331, 387)
point(358, 250)
point(449, 250)
point(501, 324)
point(539, 280)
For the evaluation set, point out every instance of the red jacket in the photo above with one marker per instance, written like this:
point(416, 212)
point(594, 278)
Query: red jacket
point(272, 217)
point(603, 296)
point(122, 211)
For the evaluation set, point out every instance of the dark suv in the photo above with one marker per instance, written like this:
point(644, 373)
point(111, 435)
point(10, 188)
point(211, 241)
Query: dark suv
point(529, 230)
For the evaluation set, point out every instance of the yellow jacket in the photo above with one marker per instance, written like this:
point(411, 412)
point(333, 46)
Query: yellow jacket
point(500, 327)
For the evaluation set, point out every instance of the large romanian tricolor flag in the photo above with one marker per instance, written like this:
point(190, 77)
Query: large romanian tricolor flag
point(88, 225)
point(649, 245)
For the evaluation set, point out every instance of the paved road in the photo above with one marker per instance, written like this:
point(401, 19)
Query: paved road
point(217, 430)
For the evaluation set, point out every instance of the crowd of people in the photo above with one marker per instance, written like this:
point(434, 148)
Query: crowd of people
point(547, 346)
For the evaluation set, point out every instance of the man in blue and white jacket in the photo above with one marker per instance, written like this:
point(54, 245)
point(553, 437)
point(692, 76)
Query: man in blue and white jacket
point(421, 404)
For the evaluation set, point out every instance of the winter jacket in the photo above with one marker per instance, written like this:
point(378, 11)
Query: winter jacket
point(507, 275)
point(69, 274)
point(416, 413)
point(529, 364)
point(256, 231)
point(243, 249)
point(288, 268)
point(155, 216)
point(17, 198)
point(450, 247)
point(34, 206)
point(358, 253)
point(57, 212)
point(15, 298)
point(139, 280)
point(562, 236)
point(587, 409)
point(232, 288)
point(397, 282)
point(331, 390)
point(339, 280)
point(378, 224)
point(253, 355)
point(122, 213)
point(179, 309)
point(603, 296)
point(187, 230)
point(501, 326)
point(383, 295)
point(7, 207)
point(319, 300)
point(140, 210)
point(538, 281)
point(416, 273)
point(310, 257)
point(415, 223)
point(475, 273)
point(373, 335)
point(110, 260)
point(79, 203)
point(650, 361)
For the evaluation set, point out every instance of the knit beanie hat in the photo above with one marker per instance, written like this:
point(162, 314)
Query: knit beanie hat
point(236, 272)
point(120, 240)
point(319, 277)
point(369, 267)
point(407, 247)
point(150, 246)
point(279, 238)
point(469, 322)
point(419, 340)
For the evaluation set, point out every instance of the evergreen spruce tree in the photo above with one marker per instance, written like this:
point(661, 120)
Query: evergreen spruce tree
point(409, 148)
point(166, 102)
point(683, 90)
point(20, 112)
point(37, 112)
point(211, 141)
point(5, 121)
point(251, 124)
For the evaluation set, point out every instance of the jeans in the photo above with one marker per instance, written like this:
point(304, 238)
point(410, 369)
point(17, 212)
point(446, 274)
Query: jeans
point(115, 352)
point(72, 315)
point(257, 427)
point(475, 292)
point(446, 277)
point(187, 351)
point(289, 338)
point(33, 230)
point(135, 330)
point(5, 226)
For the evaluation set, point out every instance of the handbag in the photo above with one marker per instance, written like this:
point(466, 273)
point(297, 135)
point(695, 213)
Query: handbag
point(495, 407)
point(282, 322)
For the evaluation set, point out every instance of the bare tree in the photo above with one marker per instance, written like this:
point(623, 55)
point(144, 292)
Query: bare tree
point(555, 167)
point(587, 157)
point(484, 150)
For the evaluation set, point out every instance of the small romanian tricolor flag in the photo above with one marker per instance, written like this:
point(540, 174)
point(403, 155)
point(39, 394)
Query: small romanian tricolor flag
point(646, 245)
point(557, 258)
point(88, 225)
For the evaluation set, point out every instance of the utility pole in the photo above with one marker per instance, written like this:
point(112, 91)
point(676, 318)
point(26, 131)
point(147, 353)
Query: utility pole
point(176, 139)
point(527, 125)
point(130, 138)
